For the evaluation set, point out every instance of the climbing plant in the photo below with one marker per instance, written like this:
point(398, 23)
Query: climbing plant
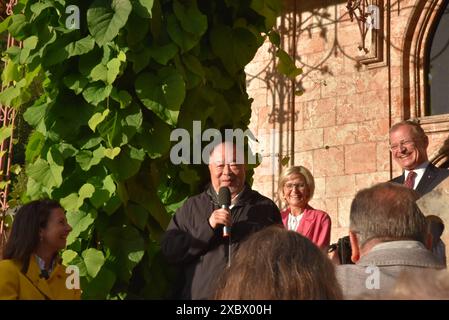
point(111, 92)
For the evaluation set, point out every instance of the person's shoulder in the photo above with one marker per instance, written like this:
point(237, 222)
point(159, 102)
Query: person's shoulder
point(397, 179)
point(197, 197)
point(348, 270)
point(320, 214)
point(260, 198)
point(442, 171)
point(62, 269)
point(9, 265)
point(194, 201)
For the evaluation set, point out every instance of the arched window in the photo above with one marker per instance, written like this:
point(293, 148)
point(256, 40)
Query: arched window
point(437, 65)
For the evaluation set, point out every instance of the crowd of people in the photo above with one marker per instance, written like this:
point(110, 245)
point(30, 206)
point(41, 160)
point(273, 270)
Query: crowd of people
point(388, 235)
point(269, 253)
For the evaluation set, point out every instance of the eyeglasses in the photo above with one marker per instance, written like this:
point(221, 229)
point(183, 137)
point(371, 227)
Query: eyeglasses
point(403, 143)
point(290, 186)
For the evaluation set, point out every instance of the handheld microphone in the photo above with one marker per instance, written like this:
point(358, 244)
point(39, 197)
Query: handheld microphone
point(224, 201)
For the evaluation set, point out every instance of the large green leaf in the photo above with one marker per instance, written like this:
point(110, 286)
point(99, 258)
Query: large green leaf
point(100, 286)
point(75, 200)
point(94, 260)
point(68, 256)
point(235, 47)
point(163, 53)
point(96, 92)
point(286, 65)
point(99, 72)
point(127, 163)
point(97, 118)
point(86, 158)
point(5, 24)
point(104, 189)
point(194, 65)
point(155, 138)
point(185, 40)
point(11, 95)
point(190, 18)
point(122, 97)
point(112, 130)
point(269, 9)
point(111, 153)
point(49, 175)
point(76, 48)
point(17, 26)
point(146, 196)
point(105, 18)
point(143, 7)
point(113, 70)
point(38, 7)
point(140, 59)
point(11, 73)
point(79, 221)
point(35, 143)
point(127, 246)
point(76, 82)
point(5, 132)
point(162, 93)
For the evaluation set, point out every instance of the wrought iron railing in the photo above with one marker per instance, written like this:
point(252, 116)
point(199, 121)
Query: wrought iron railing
point(7, 118)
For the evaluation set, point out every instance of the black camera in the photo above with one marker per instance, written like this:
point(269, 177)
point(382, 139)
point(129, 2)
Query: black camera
point(343, 248)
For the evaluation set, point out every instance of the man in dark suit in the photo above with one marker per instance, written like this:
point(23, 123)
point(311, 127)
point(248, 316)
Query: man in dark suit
point(408, 145)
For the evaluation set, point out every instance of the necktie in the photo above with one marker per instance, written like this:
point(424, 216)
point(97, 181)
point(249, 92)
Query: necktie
point(410, 180)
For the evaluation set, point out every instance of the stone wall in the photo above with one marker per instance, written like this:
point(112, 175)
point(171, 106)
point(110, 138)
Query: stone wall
point(338, 127)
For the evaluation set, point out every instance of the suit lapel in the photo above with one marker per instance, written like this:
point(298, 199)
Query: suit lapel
point(399, 179)
point(426, 179)
point(284, 216)
point(33, 274)
point(306, 222)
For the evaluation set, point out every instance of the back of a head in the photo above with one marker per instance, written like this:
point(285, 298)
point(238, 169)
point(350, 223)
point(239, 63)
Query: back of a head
point(387, 212)
point(435, 225)
point(276, 264)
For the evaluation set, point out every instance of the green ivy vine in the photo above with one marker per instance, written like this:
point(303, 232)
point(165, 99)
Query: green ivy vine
point(110, 94)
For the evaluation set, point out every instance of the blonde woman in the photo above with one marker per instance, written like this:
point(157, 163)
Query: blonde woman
point(296, 187)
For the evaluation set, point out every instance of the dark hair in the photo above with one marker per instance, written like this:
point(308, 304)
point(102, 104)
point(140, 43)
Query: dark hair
point(387, 211)
point(279, 264)
point(24, 237)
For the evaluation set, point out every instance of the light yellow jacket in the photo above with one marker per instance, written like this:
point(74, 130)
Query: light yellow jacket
point(14, 285)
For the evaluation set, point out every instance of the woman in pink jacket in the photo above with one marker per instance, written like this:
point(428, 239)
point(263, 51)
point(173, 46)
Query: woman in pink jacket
point(296, 187)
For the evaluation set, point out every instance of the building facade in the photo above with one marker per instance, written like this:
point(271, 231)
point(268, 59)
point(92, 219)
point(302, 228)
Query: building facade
point(357, 81)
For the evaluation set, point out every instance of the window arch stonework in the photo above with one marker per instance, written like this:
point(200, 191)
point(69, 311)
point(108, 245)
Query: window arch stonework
point(416, 46)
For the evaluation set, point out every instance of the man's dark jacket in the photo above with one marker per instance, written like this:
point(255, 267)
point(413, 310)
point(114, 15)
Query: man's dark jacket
point(431, 178)
point(201, 252)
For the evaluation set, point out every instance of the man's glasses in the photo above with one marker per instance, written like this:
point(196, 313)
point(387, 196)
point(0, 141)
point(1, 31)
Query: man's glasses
point(400, 145)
